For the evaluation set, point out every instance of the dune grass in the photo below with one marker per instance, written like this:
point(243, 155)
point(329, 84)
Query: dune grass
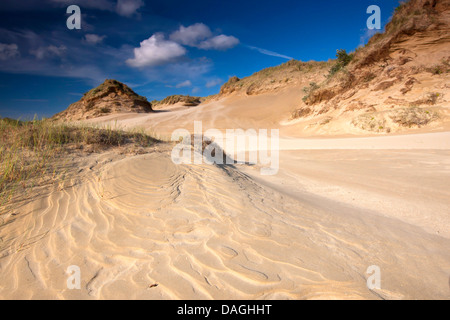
point(33, 150)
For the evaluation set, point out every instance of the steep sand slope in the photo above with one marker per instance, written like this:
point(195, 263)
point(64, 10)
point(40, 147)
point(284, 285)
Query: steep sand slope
point(397, 81)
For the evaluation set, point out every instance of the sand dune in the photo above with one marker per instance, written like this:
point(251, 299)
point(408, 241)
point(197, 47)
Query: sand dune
point(209, 232)
point(142, 227)
point(268, 111)
point(363, 181)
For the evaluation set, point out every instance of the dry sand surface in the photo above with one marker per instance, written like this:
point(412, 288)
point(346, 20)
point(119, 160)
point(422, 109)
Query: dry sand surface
point(336, 207)
point(269, 111)
point(207, 232)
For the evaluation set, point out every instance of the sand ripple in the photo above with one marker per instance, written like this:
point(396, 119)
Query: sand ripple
point(204, 232)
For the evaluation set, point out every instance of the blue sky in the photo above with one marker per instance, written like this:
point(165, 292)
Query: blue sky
point(160, 48)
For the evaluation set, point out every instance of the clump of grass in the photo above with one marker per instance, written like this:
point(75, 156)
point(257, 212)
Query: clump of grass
point(32, 150)
point(187, 101)
point(437, 70)
point(112, 86)
point(431, 98)
point(300, 113)
point(370, 122)
point(441, 68)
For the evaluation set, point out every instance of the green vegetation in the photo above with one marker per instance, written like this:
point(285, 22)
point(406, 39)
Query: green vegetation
point(441, 68)
point(437, 70)
point(300, 113)
point(38, 150)
point(294, 65)
point(187, 101)
point(413, 117)
point(343, 59)
point(110, 86)
point(262, 81)
point(431, 99)
point(368, 122)
point(309, 90)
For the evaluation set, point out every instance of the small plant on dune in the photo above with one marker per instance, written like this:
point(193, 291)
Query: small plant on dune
point(343, 57)
point(300, 113)
point(413, 117)
point(368, 122)
point(443, 67)
point(312, 87)
point(309, 90)
point(342, 60)
point(431, 98)
point(437, 70)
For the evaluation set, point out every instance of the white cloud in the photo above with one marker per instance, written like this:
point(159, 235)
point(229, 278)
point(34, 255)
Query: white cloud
point(192, 35)
point(221, 42)
point(200, 36)
point(196, 90)
point(49, 52)
point(184, 84)
point(94, 38)
point(26, 65)
point(213, 83)
point(128, 8)
point(270, 53)
point(8, 51)
point(156, 51)
point(194, 69)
